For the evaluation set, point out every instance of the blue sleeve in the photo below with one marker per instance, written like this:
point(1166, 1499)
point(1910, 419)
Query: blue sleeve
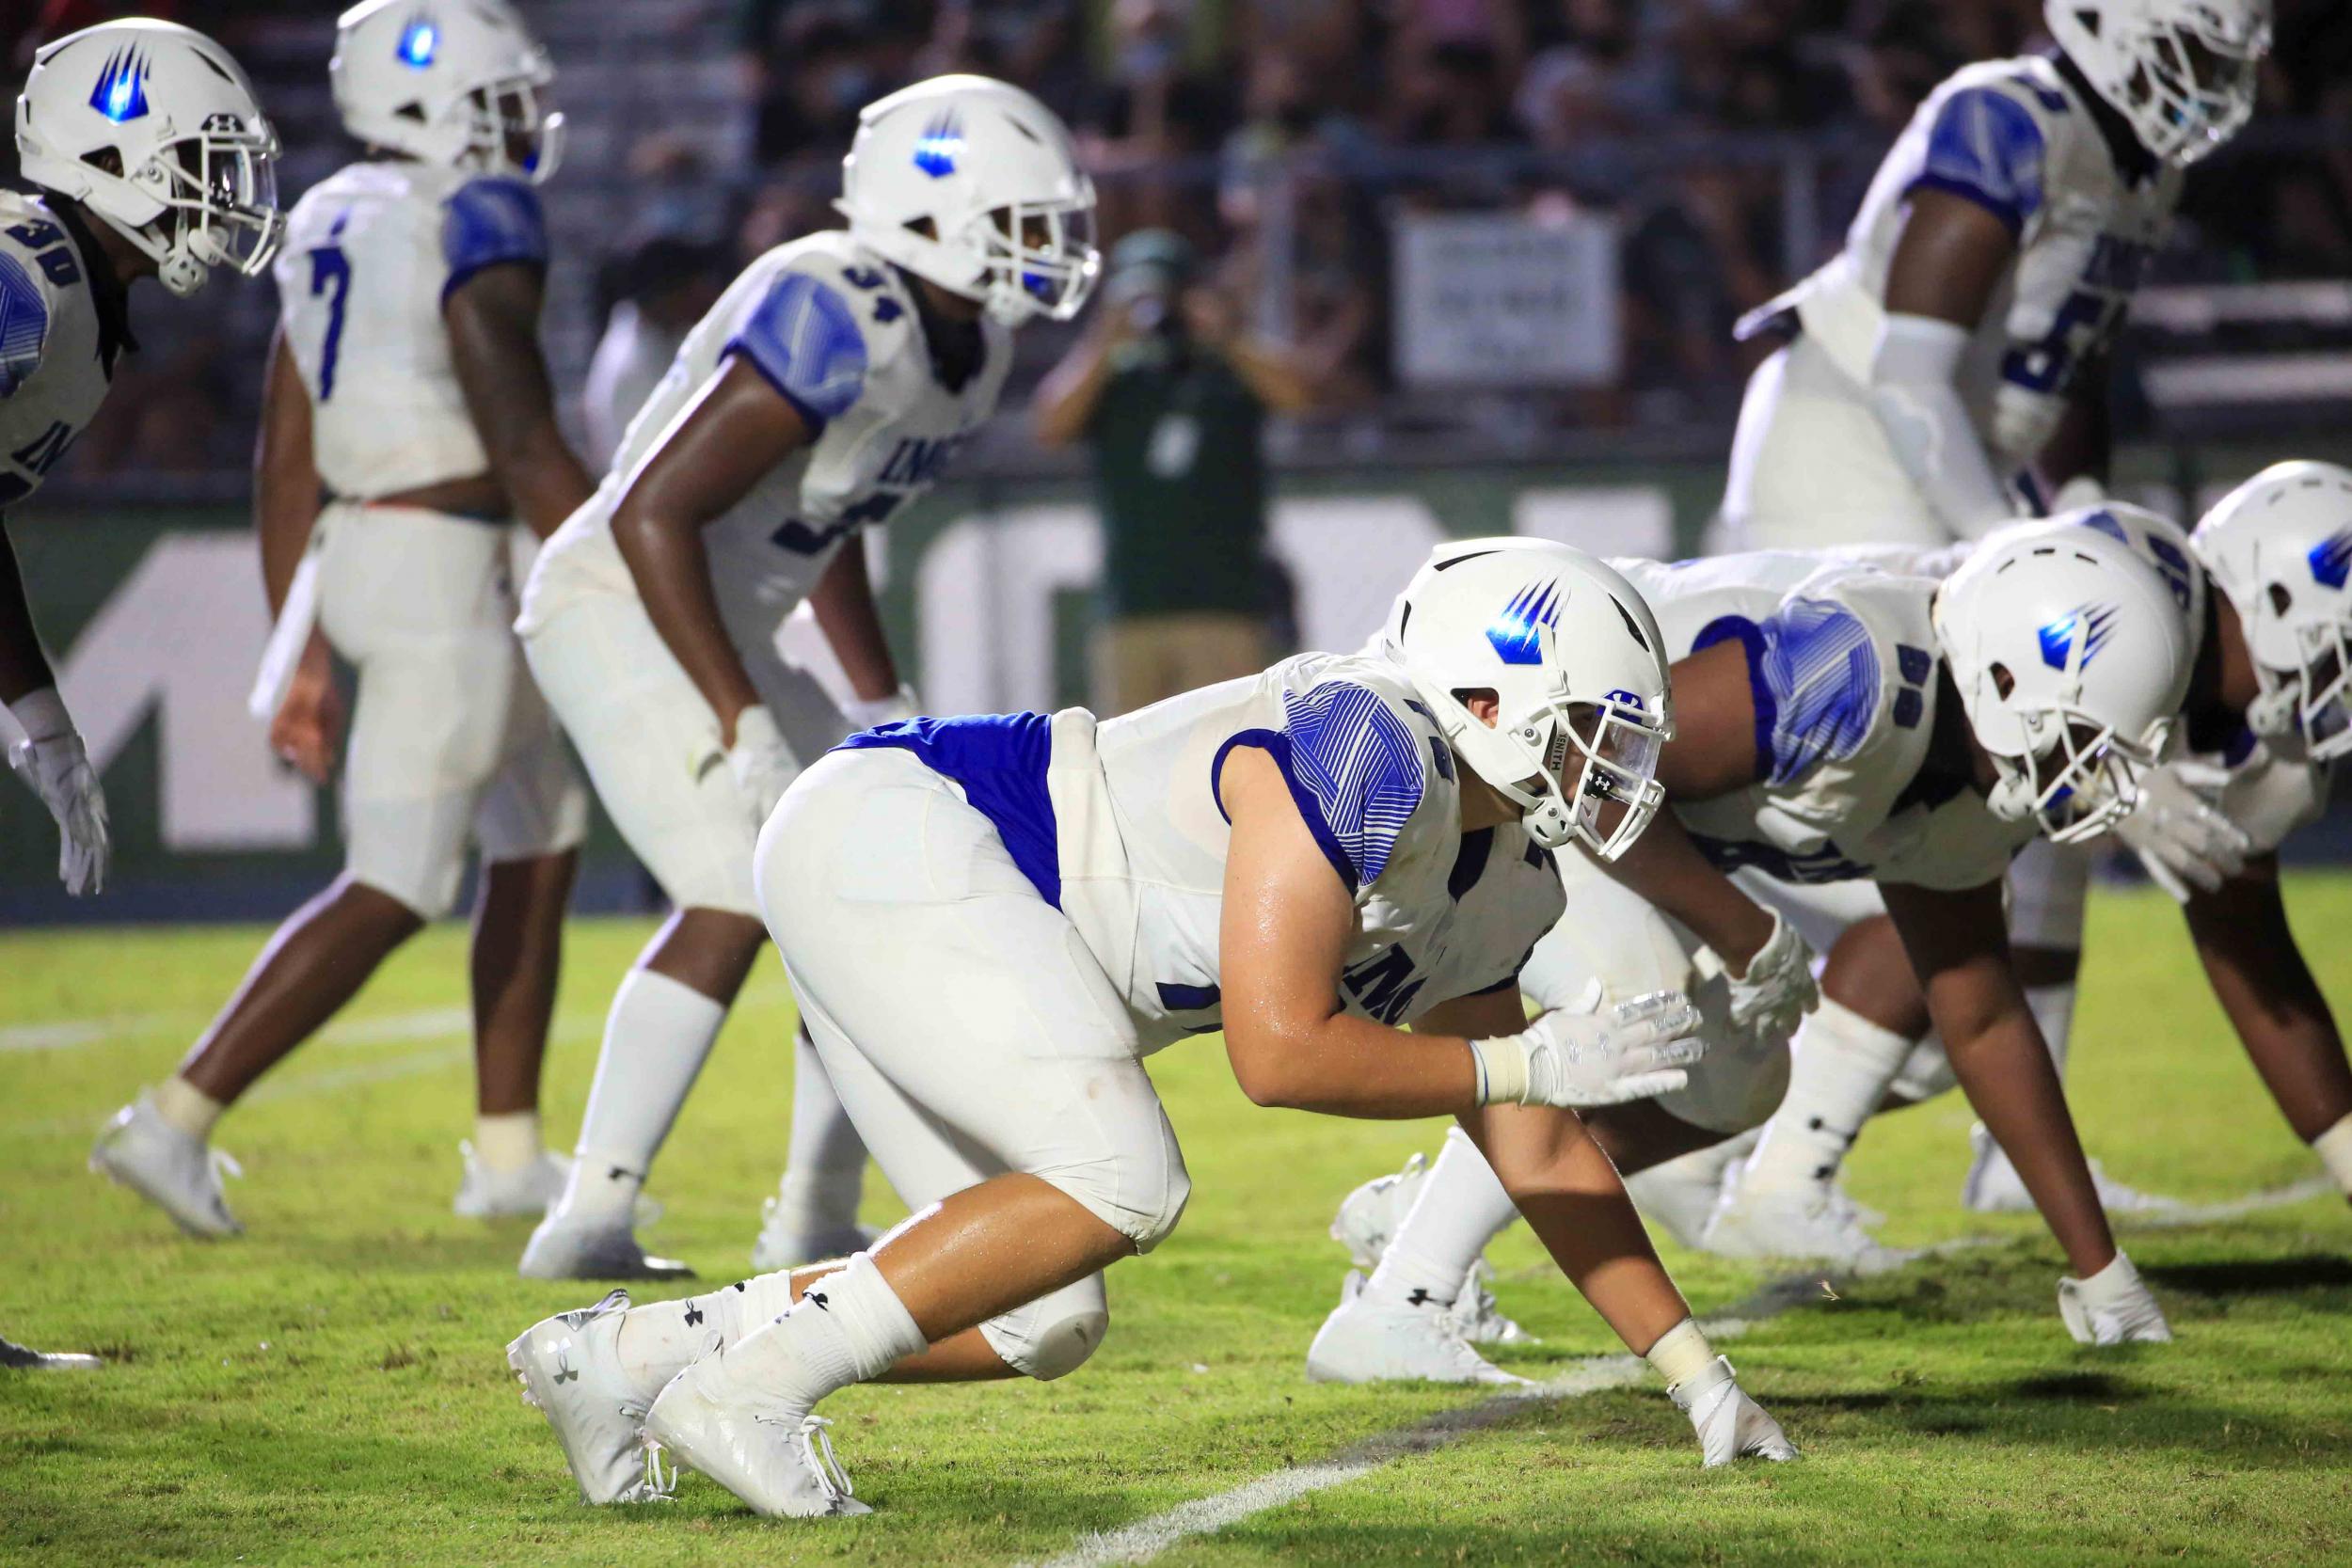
point(1814, 676)
point(24, 325)
point(1986, 147)
point(805, 340)
point(489, 223)
point(1356, 771)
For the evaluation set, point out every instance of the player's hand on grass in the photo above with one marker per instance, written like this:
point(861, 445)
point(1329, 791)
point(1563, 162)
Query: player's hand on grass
point(307, 730)
point(2113, 1306)
point(762, 764)
point(55, 762)
point(1583, 1057)
point(1778, 989)
point(2181, 840)
point(1730, 1425)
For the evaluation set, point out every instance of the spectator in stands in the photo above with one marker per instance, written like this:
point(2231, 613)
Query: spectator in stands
point(1170, 397)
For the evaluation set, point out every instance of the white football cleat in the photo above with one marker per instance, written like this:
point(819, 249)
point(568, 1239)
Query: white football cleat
point(1366, 1340)
point(1810, 1222)
point(780, 1246)
point(570, 1369)
point(484, 1194)
point(562, 1248)
point(1370, 1216)
point(775, 1457)
point(1993, 1186)
point(21, 1358)
point(177, 1174)
point(1730, 1425)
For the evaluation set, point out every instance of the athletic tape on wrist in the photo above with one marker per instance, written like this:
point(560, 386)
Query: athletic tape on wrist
point(1502, 1071)
point(41, 714)
point(1681, 1352)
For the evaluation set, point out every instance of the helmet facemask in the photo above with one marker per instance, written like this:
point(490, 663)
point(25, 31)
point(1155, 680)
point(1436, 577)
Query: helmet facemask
point(218, 189)
point(1038, 258)
point(2314, 700)
point(2077, 776)
point(1578, 771)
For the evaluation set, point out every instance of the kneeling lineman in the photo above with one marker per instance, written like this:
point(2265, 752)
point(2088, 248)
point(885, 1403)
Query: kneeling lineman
point(1310, 860)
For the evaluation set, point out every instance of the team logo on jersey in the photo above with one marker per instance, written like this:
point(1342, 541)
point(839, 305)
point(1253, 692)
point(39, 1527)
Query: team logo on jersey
point(121, 91)
point(2331, 558)
point(1515, 632)
point(940, 145)
point(419, 41)
point(2092, 623)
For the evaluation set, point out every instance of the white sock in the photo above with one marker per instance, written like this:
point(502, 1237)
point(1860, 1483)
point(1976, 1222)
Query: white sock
point(1460, 1207)
point(2334, 1149)
point(182, 1105)
point(824, 1172)
point(508, 1140)
point(1843, 1065)
point(850, 1326)
point(661, 1338)
point(655, 1040)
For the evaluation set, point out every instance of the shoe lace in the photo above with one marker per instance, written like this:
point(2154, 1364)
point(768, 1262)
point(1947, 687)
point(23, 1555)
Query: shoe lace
point(817, 1448)
point(219, 1162)
point(660, 1482)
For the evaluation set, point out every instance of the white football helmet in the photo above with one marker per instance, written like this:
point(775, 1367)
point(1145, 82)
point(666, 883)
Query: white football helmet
point(1573, 656)
point(2071, 653)
point(990, 173)
point(2182, 72)
point(457, 83)
point(152, 126)
point(2280, 546)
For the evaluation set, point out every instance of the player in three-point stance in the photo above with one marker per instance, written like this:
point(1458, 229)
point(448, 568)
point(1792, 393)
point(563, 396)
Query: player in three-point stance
point(1310, 860)
point(832, 382)
point(1839, 726)
point(150, 157)
point(1950, 368)
point(407, 386)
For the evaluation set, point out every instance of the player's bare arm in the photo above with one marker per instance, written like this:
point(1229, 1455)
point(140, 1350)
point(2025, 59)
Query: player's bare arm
point(24, 667)
point(2072, 466)
point(2262, 981)
point(1959, 947)
point(307, 726)
point(493, 319)
point(737, 432)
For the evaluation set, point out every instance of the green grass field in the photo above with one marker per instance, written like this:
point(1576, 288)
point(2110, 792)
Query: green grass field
point(332, 1387)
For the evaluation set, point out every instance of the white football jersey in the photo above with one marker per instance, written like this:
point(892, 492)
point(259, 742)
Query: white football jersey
point(1119, 824)
point(371, 254)
point(835, 329)
point(2017, 137)
point(57, 345)
point(1846, 671)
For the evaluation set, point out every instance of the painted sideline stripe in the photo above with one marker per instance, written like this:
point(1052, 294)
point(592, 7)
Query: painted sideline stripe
point(1148, 1537)
point(389, 1028)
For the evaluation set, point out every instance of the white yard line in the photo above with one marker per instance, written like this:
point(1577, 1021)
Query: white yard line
point(1147, 1538)
point(73, 1033)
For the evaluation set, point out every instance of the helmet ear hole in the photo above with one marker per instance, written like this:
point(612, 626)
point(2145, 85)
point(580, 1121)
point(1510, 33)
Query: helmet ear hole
point(1484, 702)
point(105, 159)
point(2280, 600)
point(2003, 682)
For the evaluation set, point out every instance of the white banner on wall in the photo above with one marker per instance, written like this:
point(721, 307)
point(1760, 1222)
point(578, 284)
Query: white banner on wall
point(1506, 299)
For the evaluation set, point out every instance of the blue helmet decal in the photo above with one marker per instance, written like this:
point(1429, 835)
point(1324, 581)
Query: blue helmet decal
point(2103, 521)
point(1531, 610)
point(419, 41)
point(2092, 621)
point(121, 91)
point(2331, 558)
point(938, 146)
point(1628, 699)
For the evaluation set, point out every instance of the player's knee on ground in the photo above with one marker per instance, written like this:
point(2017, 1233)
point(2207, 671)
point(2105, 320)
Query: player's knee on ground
point(1053, 1335)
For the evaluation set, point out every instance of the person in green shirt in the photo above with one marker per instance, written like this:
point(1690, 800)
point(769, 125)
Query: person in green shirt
point(1170, 396)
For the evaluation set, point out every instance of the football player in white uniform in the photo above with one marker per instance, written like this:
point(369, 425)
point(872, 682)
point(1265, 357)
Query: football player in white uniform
point(832, 382)
point(2266, 723)
point(1309, 860)
point(406, 387)
point(1839, 725)
point(150, 157)
point(1952, 362)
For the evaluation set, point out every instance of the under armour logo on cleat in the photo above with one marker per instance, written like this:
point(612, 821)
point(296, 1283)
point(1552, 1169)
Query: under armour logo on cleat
point(818, 1299)
point(565, 1372)
point(693, 1314)
point(622, 1173)
point(1417, 1297)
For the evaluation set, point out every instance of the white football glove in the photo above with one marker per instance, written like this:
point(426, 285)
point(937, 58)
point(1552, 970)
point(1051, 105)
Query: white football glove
point(57, 764)
point(2113, 1306)
point(1778, 990)
point(2180, 836)
point(1577, 1057)
point(763, 765)
point(1730, 1425)
point(868, 714)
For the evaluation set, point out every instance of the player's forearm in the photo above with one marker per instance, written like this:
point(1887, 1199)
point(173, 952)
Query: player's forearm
point(2280, 1016)
point(285, 476)
point(1066, 398)
point(542, 477)
point(24, 667)
point(843, 603)
point(1670, 873)
point(673, 576)
point(2004, 1069)
point(1269, 371)
point(1345, 1066)
point(2082, 447)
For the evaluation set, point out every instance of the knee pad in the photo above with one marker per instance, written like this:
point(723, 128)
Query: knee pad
point(1053, 1335)
point(1140, 1194)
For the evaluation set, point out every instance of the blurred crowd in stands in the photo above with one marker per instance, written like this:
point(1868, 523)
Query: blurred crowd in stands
point(1280, 137)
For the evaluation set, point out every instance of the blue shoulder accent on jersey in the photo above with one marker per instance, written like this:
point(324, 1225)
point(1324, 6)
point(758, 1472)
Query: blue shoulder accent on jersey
point(805, 339)
point(1814, 677)
point(1360, 765)
point(1985, 146)
point(488, 222)
point(23, 326)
